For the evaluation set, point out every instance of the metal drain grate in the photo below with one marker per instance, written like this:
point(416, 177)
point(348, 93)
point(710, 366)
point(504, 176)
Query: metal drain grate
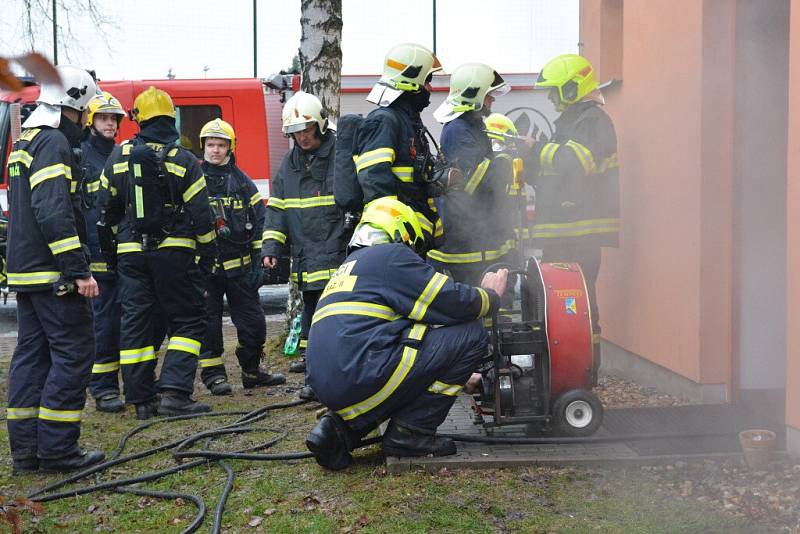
point(701, 420)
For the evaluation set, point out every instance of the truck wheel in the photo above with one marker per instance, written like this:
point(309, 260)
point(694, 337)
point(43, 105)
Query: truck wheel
point(578, 413)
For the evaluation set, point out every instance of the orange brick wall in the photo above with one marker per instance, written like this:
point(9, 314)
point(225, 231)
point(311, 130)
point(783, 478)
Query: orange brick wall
point(665, 293)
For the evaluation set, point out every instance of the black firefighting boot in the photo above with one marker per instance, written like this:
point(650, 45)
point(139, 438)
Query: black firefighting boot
point(402, 441)
point(219, 386)
point(298, 365)
point(253, 375)
point(21, 466)
point(146, 410)
point(260, 377)
point(178, 403)
point(80, 460)
point(328, 442)
point(109, 402)
point(307, 393)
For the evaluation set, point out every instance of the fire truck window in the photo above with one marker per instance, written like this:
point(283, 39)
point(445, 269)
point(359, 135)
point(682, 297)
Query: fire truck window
point(189, 120)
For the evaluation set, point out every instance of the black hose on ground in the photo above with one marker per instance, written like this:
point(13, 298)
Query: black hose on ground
point(223, 498)
point(182, 451)
point(201, 505)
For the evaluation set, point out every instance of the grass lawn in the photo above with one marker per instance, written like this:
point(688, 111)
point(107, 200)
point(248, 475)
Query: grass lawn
point(298, 496)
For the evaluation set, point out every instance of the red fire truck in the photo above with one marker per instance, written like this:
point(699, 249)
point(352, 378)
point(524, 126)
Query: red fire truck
point(248, 104)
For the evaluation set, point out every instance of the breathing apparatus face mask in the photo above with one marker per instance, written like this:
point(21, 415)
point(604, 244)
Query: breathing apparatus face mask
point(420, 100)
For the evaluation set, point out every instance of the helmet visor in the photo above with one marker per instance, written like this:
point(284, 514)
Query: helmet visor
point(110, 108)
point(499, 86)
point(294, 128)
point(499, 91)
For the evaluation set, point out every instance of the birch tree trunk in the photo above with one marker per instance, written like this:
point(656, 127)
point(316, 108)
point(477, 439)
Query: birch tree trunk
point(321, 51)
point(320, 74)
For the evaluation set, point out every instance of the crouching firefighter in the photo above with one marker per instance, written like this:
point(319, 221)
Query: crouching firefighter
point(105, 116)
point(239, 222)
point(155, 192)
point(48, 268)
point(302, 212)
point(372, 353)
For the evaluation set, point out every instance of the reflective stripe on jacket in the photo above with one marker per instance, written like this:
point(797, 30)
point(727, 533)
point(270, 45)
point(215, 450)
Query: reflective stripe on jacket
point(192, 226)
point(46, 228)
point(388, 143)
point(476, 213)
point(94, 153)
point(382, 299)
point(577, 187)
point(303, 218)
point(243, 206)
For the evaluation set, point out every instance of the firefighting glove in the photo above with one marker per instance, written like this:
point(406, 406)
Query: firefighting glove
point(254, 276)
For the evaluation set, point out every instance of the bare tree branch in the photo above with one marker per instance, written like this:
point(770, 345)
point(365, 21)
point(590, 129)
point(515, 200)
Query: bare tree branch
point(38, 13)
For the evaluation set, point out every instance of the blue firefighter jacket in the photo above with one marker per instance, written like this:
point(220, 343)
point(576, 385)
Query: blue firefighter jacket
point(46, 228)
point(373, 313)
point(476, 214)
point(388, 152)
point(95, 151)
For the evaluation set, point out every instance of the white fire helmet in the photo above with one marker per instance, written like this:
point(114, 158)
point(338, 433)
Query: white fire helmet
point(300, 110)
point(76, 89)
point(469, 85)
point(406, 67)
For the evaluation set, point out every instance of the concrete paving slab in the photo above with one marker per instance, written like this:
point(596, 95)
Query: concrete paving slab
point(482, 455)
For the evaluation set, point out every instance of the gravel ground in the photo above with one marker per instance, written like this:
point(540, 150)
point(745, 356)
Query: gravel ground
point(770, 496)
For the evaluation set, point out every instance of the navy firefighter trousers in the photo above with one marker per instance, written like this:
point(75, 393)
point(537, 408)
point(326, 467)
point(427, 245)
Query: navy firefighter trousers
point(439, 367)
point(107, 313)
point(248, 318)
point(166, 278)
point(50, 370)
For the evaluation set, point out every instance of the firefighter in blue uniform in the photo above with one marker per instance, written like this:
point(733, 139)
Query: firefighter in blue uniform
point(302, 212)
point(239, 221)
point(155, 192)
point(373, 354)
point(105, 116)
point(390, 150)
point(475, 209)
point(49, 270)
point(577, 178)
point(508, 146)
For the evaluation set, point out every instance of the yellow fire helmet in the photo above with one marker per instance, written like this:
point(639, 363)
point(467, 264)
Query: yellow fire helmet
point(152, 103)
point(220, 129)
point(572, 75)
point(497, 123)
point(396, 222)
point(469, 85)
point(406, 67)
point(105, 103)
